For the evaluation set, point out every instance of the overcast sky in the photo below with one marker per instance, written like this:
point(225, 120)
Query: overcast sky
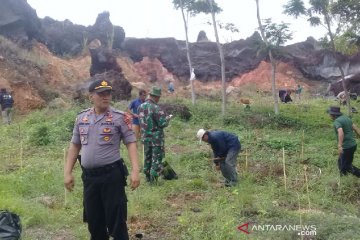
point(158, 18)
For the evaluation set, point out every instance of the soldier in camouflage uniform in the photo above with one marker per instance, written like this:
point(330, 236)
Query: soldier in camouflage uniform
point(152, 123)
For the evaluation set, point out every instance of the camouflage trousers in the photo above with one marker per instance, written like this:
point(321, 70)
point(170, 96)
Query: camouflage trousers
point(153, 156)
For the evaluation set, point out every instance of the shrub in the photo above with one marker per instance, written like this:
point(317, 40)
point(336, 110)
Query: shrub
point(39, 135)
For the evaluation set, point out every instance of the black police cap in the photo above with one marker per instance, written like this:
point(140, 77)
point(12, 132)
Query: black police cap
point(100, 86)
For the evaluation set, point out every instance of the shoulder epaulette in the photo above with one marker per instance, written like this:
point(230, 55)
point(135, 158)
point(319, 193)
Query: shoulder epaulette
point(117, 111)
point(85, 110)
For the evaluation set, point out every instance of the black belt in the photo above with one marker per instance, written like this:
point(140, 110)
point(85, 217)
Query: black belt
point(103, 169)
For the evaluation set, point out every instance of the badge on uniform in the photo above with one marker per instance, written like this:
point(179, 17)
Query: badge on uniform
point(107, 130)
point(106, 138)
point(85, 119)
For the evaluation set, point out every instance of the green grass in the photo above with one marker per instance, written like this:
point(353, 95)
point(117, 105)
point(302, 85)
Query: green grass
point(195, 206)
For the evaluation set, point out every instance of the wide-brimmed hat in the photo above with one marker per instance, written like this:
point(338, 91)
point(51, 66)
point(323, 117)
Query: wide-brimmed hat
point(334, 111)
point(200, 134)
point(100, 86)
point(155, 91)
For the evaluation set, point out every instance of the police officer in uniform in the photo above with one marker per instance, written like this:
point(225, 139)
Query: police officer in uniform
point(152, 123)
point(97, 133)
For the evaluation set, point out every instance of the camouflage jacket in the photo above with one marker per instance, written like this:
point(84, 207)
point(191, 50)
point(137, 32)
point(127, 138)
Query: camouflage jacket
point(152, 122)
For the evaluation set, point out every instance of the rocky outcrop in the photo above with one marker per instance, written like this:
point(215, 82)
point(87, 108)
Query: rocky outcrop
point(352, 84)
point(315, 62)
point(121, 87)
point(63, 38)
point(66, 38)
point(105, 66)
point(240, 56)
point(202, 37)
point(18, 21)
point(102, 60)
point(109, 35)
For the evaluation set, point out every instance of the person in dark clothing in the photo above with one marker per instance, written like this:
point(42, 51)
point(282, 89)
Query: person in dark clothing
point(344, 130)
point(6, 102)
point(284, 96)
point(226, 147)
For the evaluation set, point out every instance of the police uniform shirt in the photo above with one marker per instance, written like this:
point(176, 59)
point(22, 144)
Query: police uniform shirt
point(100, 136)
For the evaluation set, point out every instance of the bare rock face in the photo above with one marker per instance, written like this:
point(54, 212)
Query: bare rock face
point(102, 60)
point(202, 37)
point(18, 21)
point(315, 62)
point(240, 56)
point(109, 35)
point(352, 84)
point(66, 38)
point(63, 38)
point(121, 87)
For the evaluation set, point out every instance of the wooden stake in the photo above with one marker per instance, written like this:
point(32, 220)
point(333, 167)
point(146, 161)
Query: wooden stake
point(21, 154)
point(307, 186)
point(246, 160)
point(299, 211)
point(302, 147)
point(284, 168)
point(65, 191)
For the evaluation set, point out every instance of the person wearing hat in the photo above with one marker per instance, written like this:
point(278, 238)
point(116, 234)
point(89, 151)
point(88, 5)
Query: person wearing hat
point(153, 120)
point(344, 130)
point(97, 133)
point(226, 147)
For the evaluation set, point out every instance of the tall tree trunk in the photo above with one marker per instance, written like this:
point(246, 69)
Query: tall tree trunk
point(327, 20)
point(273, 83)
point(222, 61)
point(188, 54)
point(272, 60)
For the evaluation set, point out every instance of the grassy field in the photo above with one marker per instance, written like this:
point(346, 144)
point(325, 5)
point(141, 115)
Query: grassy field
point(195, 206)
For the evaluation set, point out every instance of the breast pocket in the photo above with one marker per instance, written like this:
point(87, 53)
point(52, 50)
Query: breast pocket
point(84, 135)
point(106, 135)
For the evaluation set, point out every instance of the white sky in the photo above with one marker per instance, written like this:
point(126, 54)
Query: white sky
point(158, 18)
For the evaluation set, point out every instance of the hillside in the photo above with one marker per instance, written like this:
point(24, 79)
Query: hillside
point(195, 206)
point(36, 77)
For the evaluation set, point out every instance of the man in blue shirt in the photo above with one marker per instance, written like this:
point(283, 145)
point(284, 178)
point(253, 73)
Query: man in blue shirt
point(133, 109)
point(226, 147)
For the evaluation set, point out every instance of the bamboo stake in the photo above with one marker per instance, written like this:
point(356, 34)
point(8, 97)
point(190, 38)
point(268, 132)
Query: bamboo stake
point(246, 160)
point(65, 191)
point(307, 186)
point(302, 146)
point(284, 168)
point(21, 154)
point(300, 212)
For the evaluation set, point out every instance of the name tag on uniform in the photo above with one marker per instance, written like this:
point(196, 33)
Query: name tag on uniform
point(107, 123)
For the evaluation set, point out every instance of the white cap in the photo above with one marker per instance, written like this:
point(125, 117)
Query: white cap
point(200, 134)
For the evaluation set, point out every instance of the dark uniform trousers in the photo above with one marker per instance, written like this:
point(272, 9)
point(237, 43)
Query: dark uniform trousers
point(105, 202)
point(345, 162)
